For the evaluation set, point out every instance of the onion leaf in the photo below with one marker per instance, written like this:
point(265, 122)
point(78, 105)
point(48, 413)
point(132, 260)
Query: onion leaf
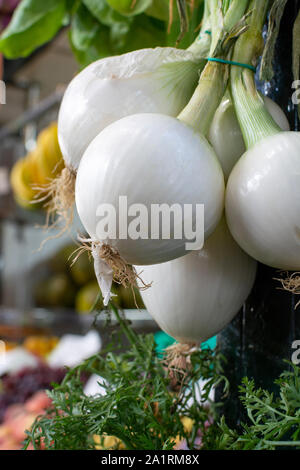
point(266, 69)
point(33, 24)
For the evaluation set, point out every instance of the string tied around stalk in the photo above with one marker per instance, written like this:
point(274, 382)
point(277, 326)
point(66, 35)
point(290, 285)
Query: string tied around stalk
point(231, 62)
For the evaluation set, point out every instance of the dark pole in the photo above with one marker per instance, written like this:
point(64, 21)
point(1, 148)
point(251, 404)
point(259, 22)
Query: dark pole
point(261, 336)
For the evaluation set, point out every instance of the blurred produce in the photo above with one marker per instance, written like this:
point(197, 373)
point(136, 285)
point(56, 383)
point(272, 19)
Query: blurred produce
point(22, 183)
point(56, 291)
point(82, 271)
point(20, 417)
point(20, 386)
point(130, 298)
point(86, 297)
point(7, 8)
point(49, 158)
point(108, 442)
point(40, 345)
point(69, 285)
point(31, 174)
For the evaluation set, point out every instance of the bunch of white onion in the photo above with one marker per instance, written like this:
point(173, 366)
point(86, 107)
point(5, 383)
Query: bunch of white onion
point(159, 80)
point(151, 159)
point(150, 156)
point(263, 190)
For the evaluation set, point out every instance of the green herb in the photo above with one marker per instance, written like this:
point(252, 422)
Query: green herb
point(274, 422)
point(143, 409)
point(140, 407)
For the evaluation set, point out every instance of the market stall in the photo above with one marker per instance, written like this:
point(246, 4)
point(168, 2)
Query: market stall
point(149, 232)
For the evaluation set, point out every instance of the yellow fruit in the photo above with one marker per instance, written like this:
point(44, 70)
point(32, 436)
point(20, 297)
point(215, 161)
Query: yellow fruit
point(40, 345)
point(49, 157)
point(108, 442)
point(82, 271)
point(187, 424)
point(22, 183)
point(86, 297)
point(36, 174)
point(128, 300)
point(57, 291)
point(62, 259)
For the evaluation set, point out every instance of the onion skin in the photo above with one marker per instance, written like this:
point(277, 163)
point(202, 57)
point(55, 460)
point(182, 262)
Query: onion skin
point(151, 159)
point(263, 201)
point(225, 134)
point(159, 80)
point(192, 298)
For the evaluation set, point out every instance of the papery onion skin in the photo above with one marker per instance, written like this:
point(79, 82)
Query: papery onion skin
point(158, 80)
point(225, 134)
point(151, 159)
point(263, 201)
point(192, 298)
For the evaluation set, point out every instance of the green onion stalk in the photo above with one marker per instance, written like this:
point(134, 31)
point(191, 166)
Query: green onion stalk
point(255, 121)
point(214, 78)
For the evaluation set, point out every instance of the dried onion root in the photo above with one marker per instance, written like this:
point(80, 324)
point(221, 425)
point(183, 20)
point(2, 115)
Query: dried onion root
point(58, 197)
point(291, 284)
point(178, 361)
point(118, 269)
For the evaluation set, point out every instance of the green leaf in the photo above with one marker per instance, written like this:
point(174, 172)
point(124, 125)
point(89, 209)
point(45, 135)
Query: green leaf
point(84, 28)
point(266, 69)
point(104, 13)
point(144, 32)
point(160, 10)
point(130, 7)
point(34, 23)
point(89, 39)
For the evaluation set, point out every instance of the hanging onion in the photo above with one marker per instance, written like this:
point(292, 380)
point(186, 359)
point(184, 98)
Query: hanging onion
point(192, 298)
point(149, 80)
point(226, 136)
point(263, 201)
point(152, 159)
point(263, 190)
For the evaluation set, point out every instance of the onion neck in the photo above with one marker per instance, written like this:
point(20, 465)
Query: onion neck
point(224, 19)
point(200, 47)
point(255, 121)
point(200, 111)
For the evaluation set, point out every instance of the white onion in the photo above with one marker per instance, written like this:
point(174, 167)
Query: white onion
point(149, 80)
point(151, 159)
point(225, 134)
point(263, 201)
point(192, 298)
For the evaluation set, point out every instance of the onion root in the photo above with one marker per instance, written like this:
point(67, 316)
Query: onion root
point(122, 272)
point(178, 360)
point(292, 284)
point(58, 197)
